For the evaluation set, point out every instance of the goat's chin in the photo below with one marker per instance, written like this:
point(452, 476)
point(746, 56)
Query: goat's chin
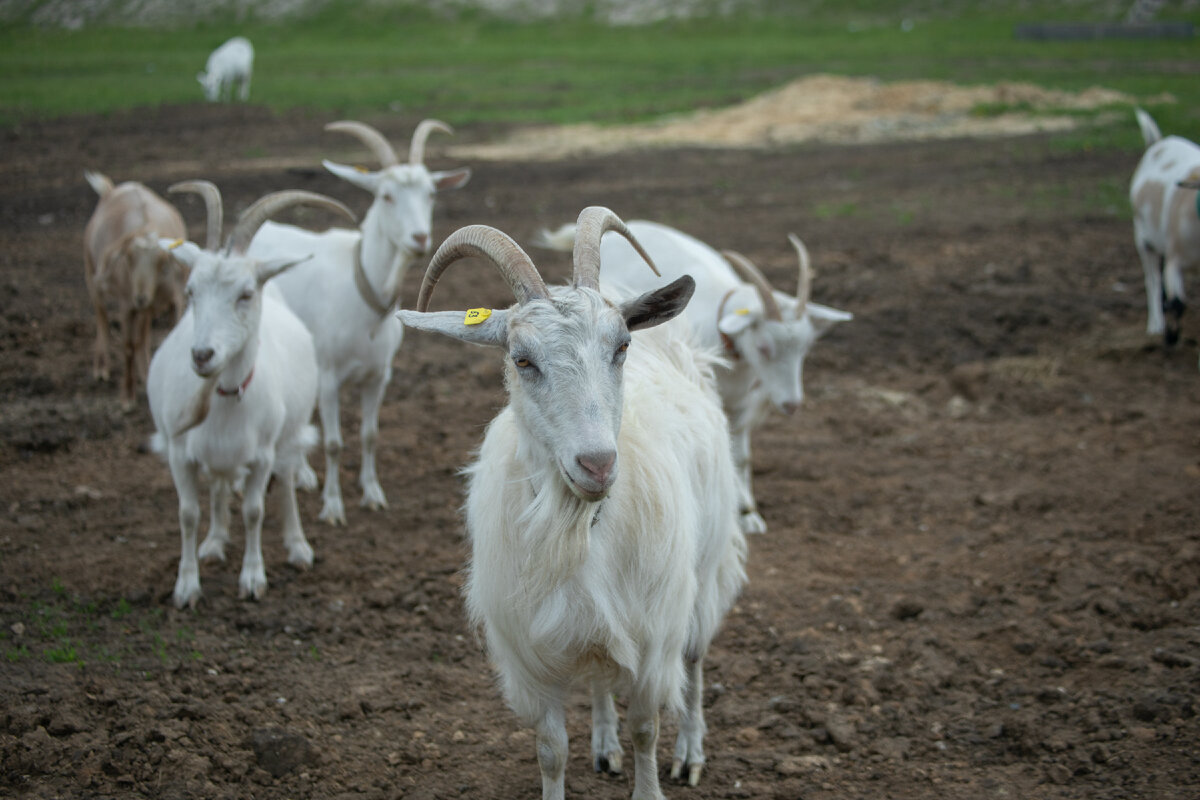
point(585, 490)
point(205, 371)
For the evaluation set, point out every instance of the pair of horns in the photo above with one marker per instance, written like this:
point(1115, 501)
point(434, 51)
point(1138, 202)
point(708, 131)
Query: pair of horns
point(377, 144)
point(515, 264)
point(253, 217)
point(753, 276)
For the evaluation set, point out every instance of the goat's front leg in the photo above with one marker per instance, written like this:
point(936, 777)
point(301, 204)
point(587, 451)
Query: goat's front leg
point(749, 519)
point(551, 732)
point(214, 543)
point(643, 729)
point(333, 510)
point(185, 474)
point(100, 368)
point(689, 745)
point(606, 741)
point(252, 583)
point(372, 398)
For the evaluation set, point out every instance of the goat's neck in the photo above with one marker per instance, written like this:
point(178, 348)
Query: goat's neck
point(382, 261)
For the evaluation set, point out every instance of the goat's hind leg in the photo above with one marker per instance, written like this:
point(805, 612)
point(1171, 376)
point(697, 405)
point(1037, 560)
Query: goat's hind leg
point(372, 398)
point(213, 546)
point(689, 745)
point(606, 741)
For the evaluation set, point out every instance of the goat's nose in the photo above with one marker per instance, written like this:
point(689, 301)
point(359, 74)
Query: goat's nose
point(422, 241)
point(202, 355)
point(791, 407)
point(598, 465)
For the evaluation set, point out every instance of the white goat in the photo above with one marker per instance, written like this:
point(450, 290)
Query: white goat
point(765, 334)
point(123, 265)
point(346, 293)
point(1166, 223)
point(232, 62)
point(602, 507)
point(232, 390)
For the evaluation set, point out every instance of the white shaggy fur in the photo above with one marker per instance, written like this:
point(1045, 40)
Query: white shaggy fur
point(622, 580)
point(231, 63)
point(356, 336)
point(764, 357)
point(123, 265)
point(1166, 223)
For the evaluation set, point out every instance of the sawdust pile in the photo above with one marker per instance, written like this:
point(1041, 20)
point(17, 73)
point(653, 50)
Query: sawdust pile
point(823, 108)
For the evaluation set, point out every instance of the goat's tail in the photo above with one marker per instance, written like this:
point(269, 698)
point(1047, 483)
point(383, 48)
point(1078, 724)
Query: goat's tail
point(562, 240)
point(1150, 131)
point(100, 182)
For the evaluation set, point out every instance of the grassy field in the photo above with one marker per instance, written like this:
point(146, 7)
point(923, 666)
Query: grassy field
point(373, 61)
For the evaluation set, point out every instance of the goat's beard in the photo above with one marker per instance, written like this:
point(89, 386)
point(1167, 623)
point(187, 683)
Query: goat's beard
point(556, 525)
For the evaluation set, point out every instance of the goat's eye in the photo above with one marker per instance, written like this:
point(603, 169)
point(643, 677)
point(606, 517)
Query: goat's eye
point(621, 350)
point(246, 296)
point(522, 362)
point(765, 352)
point(387, 198)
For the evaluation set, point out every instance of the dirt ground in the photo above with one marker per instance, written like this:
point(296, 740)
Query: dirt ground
point(981, 578)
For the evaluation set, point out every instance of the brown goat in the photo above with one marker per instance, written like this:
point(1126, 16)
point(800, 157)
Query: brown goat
point(124, 265)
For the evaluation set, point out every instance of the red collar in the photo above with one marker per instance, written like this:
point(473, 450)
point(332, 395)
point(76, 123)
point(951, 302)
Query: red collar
point(239, 391)
point(725, 340)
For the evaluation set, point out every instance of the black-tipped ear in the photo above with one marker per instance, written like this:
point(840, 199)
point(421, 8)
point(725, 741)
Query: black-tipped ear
point(660, 305)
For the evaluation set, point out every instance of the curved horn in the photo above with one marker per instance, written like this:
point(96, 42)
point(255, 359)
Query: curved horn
point(486, 242)
point(593, 223)
point(262, 209)
point(372, 138)
point(750, 272)
point(212, 202)
point(804, 287)
point(416, 152)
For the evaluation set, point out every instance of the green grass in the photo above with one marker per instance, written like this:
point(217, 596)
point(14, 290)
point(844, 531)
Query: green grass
point(363, 60)
point(59, 627)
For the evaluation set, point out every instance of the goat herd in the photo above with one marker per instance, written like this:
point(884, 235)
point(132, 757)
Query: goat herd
point(609, 501)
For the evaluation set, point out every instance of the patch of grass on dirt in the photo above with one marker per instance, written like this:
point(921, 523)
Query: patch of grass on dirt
point(58, 627)
point(363, 59)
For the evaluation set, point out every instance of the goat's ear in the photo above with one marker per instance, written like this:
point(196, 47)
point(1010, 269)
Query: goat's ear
point(200, 78)
point(366, 180)
point(183, 251)
point(660, 305)
point(265, 270)
point(823, 317)
point(734, 323)
point(462, 325)
point(451, 179)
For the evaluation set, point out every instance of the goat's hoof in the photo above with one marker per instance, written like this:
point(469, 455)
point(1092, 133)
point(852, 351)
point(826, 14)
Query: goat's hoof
point(693, 772)
point(300, 555)
point(373, 498)
point(608, 762)
point(252, 587)
point(212, 549)
point(333, 514)
point(187, 596)
point(752, 522)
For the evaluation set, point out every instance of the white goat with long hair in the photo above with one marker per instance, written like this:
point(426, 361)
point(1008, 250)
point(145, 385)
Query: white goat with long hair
point(232, 390)
point(231, 63)
point(346, 293)
point(123, 265)
point(602, 508)
point(765, 334)
point(1166, 223)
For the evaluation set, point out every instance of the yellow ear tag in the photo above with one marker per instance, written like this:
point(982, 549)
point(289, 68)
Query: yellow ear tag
point(476, 316)
point(741, 312)
point(363, 170)
point(175, 244)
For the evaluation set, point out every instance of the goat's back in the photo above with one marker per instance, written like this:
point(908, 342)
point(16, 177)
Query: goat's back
point(1164, 213)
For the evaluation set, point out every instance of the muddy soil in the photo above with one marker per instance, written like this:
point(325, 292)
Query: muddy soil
point(981, 578)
